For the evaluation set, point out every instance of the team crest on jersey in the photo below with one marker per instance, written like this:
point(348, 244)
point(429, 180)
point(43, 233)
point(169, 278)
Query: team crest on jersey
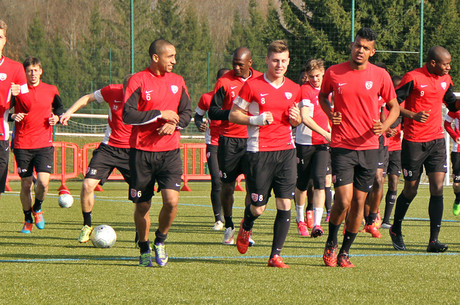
point(3, 76)
point(444, 85)
point(288, 95)
point(174, 89)
point(369, 85)
point(115, 107)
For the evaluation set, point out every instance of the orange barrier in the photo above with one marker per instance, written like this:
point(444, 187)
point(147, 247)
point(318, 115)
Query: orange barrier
point(194, 156)
point(60, 165)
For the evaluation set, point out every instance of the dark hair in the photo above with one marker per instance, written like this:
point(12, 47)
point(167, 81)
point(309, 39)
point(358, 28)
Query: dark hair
point(157, 46)
point(313, 64)
point(367, 34)
point(32, 61)
point(221, 72)
point(435, 53)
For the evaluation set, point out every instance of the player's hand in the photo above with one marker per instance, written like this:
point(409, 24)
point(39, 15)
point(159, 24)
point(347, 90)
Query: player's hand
point(64, 119)
point(166, 129)
point(422, 116)
point(53, 119)
point(294, 115)
point(203, 127)
point(457, 140)
point(15, 89)
point(336, 118)
point(327, 136)
point(377, 127)
point(391, 132)
point(18, 117)
point(170, 116)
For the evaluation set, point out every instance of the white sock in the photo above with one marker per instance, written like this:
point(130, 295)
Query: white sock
point(318, 215)
point(300, 213)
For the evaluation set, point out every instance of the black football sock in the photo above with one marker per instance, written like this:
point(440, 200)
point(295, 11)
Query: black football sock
point(348, 240)
point(229, 222)
point(390, 199)
point(249, 219)
point(144, 246)
point(328, 201)
point(37, 205)
point(435, 210)
point(457, 198)
point(87, 218)
point(280, 231)
point(216, 204)
point(371, 218)
point(402, 204)
point(333, 231)
point(28, 216)
point(160, 237)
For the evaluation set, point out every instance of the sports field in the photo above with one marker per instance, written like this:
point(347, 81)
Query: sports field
point(51, 267)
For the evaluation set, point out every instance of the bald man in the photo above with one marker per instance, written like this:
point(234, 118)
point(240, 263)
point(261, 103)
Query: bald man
point(424, 90)
point(233, 137)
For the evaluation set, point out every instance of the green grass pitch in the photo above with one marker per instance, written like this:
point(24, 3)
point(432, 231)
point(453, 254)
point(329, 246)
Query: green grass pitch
point(51, 267)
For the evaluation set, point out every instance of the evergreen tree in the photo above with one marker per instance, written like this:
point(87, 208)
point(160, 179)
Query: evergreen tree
point(37, 42)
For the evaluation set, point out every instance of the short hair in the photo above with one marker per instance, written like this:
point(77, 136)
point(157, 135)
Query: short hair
point(396, 78)
point(126, 79)
point(435, 53)
point(3, 26)
point(277, 46)
point(157, 46)
point(32, 61)
point(221, 72)
point(313, 64)
point(367, 34)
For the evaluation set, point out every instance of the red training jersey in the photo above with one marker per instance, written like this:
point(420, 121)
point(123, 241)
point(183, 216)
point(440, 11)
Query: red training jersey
point(453, 117)
point(117, 133)
point(34, 131)
point(422, 90)
point(260, 95)
point(212, 133)
point(309, 98)
point(225, 91)
point(146, 95)
point(10, 72)
point(357, 97)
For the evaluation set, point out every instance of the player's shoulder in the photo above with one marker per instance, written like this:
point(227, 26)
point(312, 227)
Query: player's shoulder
point(12, 63)
point(48, 86)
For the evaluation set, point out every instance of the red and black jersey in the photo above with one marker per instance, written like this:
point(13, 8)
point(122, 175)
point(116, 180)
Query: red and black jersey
point(34, 131)
point(145, 96)
point(225, 91)
point(453, 117)
point(212, 133)
point(259, 95)
point(421, 91)
point(10, 72)
point(357, 97)
point(309, 98)
point(117, 133)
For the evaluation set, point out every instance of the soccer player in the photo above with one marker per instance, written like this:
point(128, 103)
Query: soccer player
point(212, 142)
point(357, 85)
point(33, 141)
point(394, 164)
point(113, 152)
point(233, 137)
point(424, 90)
point(12, 81)
point(312, 143)
point(157, 104)
point(452, 126)
point(268, 106)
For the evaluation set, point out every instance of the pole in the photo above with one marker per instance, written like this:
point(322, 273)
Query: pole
point(207, 85)
point(132, 37)
point(110, 65)
point(352, 20)
point(421, 33)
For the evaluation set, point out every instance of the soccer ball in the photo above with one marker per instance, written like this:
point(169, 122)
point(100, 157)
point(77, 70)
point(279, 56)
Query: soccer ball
point(103, 236)
point(65, 200)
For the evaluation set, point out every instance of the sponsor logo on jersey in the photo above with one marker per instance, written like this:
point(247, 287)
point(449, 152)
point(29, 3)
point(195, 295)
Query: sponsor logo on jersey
point(444, 85)
point(288, 95)
point(3, 76)
point(174, 89)
point(369, 85)
point(115, 107)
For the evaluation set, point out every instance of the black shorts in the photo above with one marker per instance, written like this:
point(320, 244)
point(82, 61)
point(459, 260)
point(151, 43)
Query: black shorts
point(416, 155)
point(39, 158)
point(394, 163)
point(455, 159)
point(232, 158)
point(4, 158)
point(269, 170)
point(312, 163)
point(354, 166)
point(148, 167)
point(105, 159)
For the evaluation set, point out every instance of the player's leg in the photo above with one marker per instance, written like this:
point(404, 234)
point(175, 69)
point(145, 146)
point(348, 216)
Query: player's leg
point(142, 222)
point(216, 185)
point(4, 160)
point(304, 155)
point(373, 202)
point(280, 231)
point(320, 162)
point(455, 159)
point(393, 171)
point(24, 161)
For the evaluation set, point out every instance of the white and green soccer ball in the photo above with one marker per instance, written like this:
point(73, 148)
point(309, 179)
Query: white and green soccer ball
point(65, 200)
point(103, 236)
